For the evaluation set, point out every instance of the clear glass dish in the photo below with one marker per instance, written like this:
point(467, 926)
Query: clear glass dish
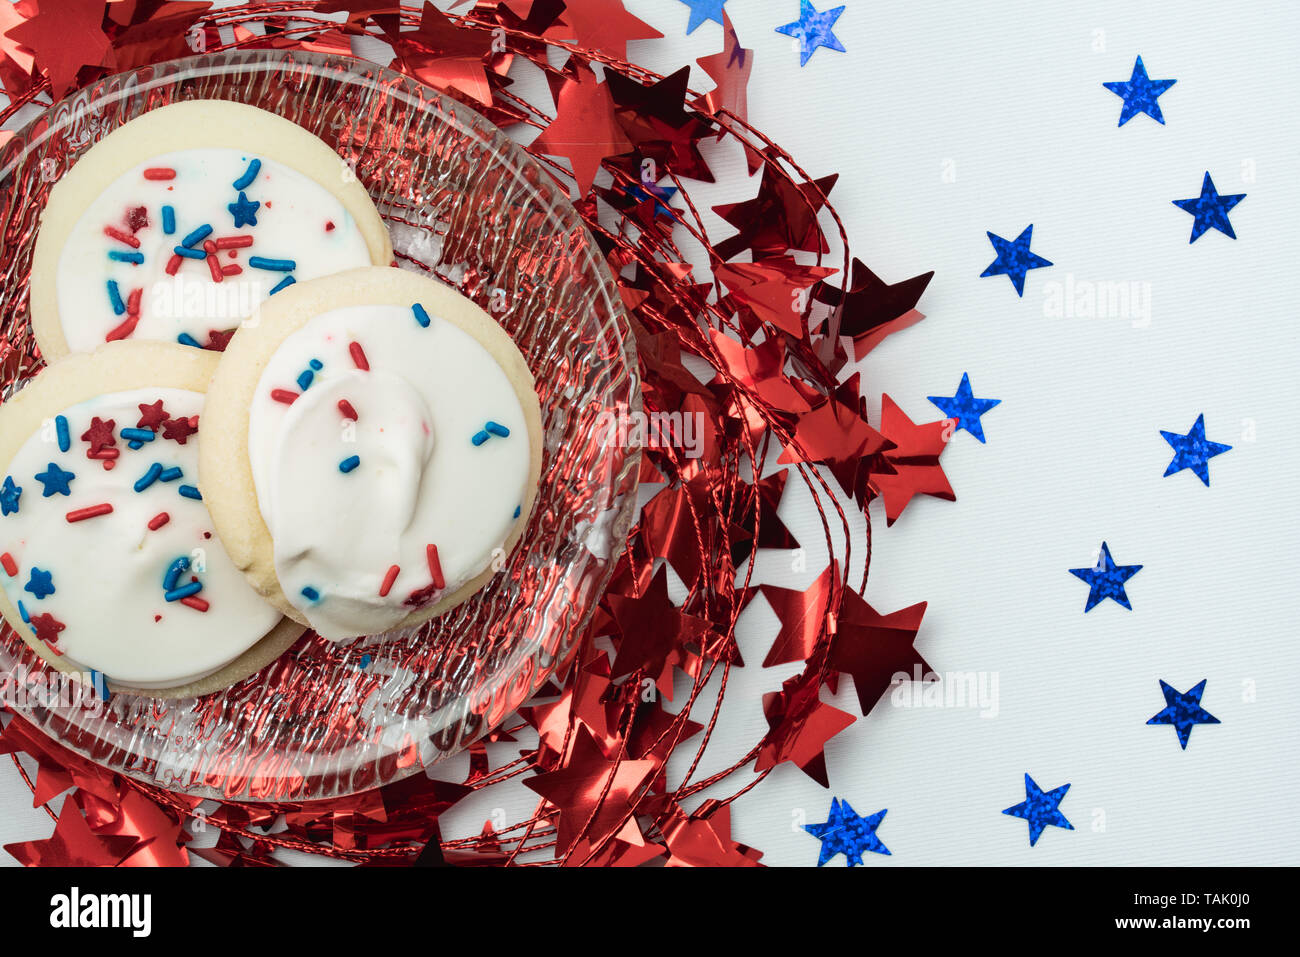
point(464, 201)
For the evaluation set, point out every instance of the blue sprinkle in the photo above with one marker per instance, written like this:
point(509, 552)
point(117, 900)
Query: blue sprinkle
point(349, 463)
point(284, 283)
point(497, 429)
point(190, 253)
point(304, 379)
point(518, 509)
point(311, 594)
point(250, 174)
point(99, 683)
point(27, 619)
point(148, 478)
point(186, 339)
point(115, 297)
point(119, 256)
point(272, 265)
point(174, 572)
point(139, 435)
point(185, 591)
point(421, 316)
point(480, 438)
point(171, 474)
point(365, 662)
point(198, 235)
point(316, 364)
point(61, 429)
point(189, 491)
point(135, 445)
point(169, 220)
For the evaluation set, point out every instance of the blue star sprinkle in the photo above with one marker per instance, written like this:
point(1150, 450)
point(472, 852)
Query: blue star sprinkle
point(9, 496)
point(1140, 94)
point(1183, 710)
point(41, 584)
point(1041, 808)
point(965, 408)
point(1193, 450)
point(846, 833)
point(245, 212)
point(1106, 580)
point(1210, 210)
point(813, 30)
point(1014, 259)
point(55, 481)
point(702, 10)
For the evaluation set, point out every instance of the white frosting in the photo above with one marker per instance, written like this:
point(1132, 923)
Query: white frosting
point(421, 479)
point(292, 223)
point(108, 571)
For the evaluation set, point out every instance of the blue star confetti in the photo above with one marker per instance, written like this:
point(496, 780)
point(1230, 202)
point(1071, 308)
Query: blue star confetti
point(813, 30)
point(845, 833)
point(40, 584)
point(1041, 809)
point(244, 211)
point(1183, 710)
point(1210, 210)
point(55, 481)
point(702, 11)
point(9, 496)
point(1014, 259)
point(662, 196)
point(964, 408)
point(1193, 450)
point(1140, 93)
point(1106, 580)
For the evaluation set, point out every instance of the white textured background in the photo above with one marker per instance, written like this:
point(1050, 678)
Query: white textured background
point(1007, 98)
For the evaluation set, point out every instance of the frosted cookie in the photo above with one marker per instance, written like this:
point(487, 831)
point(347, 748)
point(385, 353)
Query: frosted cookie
point(178, 224)
point(375, 443)
point(108, 559)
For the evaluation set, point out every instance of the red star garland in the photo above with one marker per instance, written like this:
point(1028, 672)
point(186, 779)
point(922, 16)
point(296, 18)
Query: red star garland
point(584, 130)
point(65, 37)
point(801, 724)
point(652, 629)
point(783, 216)
point(730, 70)
point(871, 308)
point(603, 25)
point(874, 648)
point(73, 845)
point(914, 459)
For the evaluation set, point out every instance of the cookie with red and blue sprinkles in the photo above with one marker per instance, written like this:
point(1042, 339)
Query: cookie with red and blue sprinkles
point(379, 440)
point(180, 223)
point(109, 561)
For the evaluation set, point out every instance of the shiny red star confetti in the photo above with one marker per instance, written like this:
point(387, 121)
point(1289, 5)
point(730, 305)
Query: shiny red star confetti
point(65, 37)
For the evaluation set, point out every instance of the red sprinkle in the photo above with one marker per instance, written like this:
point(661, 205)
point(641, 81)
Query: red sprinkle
point(158, 521)
point(231, 270)
point(329, 226)
point(358, 356)
point(284, 395)
point(90, 511)
point(109, 465)
point(346, 408)
point(133, 302)
point(174, 264)
point(233, 242)
point(435, 566)
point(160, 172)
point(214, 267)
point(195, 602)
point(107, 453)
point(114, 233)
point(9, 564)
point(122, 331)
point(389, 578)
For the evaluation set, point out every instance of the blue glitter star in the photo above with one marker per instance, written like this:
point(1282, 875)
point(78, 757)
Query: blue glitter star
point(1014, 259)
point(41, 584)
point(813, 30)
point(9, 496)
point(1183, 711)
point(1210, 210)
point(1193, 450)
point(965, 408)
point(1041, 808)
point(702, 10)
point(662, 195)
point(1139, 94)
point(55, 481)
point(244, 211)
point(1106, 580)
point(846, 833)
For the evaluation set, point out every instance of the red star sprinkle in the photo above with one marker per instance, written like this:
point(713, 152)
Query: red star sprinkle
point(181, 428)
point(100, 434)
point(151, 416)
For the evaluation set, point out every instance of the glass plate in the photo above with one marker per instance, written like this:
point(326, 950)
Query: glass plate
point(465, 202)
